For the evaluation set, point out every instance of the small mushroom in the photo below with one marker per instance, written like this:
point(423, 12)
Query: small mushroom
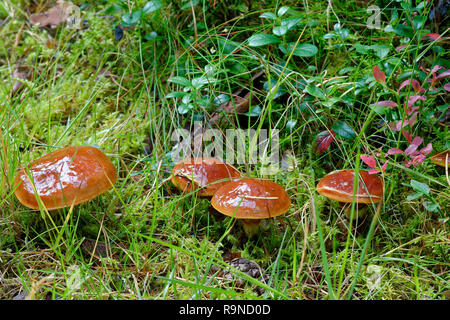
point(441, 159)
point(65, 177)
point(251, 200)
point(338, 185)
point(206, 175)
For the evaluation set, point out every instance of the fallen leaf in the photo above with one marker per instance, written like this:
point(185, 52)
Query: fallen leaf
point(369, 160)
point(20, 73)
point(60, 13)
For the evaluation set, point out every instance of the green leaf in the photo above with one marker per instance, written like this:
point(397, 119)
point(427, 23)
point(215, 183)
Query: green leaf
point(182, 81)
point(255, 111)
point(360, 48)
point(343, 130)
point(151, 36)
point(282, 11)
point(221, 99)
point(268, 15)
point(290, 22)
point(189, 4)
point(305, 50)
point(420, 187)
point(404, 31)
point(279, 30)
point(315, 91)
point(302, 50)
point(152, 6)
point(131, 19)
point(381, 50)
point(433, 207)
point(343, 33)
point(262, 39)
point(419, 21)
point(199, 82)
point(414, 196)
point(176, 94)
point(330, 35)
point(185, 108)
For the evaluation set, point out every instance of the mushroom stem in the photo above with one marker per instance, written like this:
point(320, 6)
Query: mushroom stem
point(360, 210)
point(251, 227)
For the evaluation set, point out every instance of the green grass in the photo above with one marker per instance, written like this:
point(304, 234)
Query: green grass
point(151, 242)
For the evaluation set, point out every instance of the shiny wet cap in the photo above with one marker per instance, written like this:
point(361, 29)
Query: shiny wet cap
point(338, 185)
point(67, 176)
point(206, 175)
point(249, 198)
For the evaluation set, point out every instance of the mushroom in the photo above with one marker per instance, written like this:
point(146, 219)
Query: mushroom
point(206, 175)
point(65, 177)
point(251, 200)
point(441, 159)
point(338, 185)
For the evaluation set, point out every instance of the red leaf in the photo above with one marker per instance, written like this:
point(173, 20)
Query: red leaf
point(386, 103)
point(423, 69)
point(373, 171)
point(394, 151)
point(413, 99)
point(415, 84)
point(384, 166)
point(414, 145)
point(443, 75)
point(418, 160)
point(436, 68)
point(379, 75)
point(427, 149)
point(369, 160)
point(432, 36)
point(447, 87)
point(407, 135)
point(401, 47)
point(324, 140)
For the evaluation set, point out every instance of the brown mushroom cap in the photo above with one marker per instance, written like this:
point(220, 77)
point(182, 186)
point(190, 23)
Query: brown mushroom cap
point(338, 185)
point(441, 158)
point(67, 176)
point(251, 199)
point(205, 174)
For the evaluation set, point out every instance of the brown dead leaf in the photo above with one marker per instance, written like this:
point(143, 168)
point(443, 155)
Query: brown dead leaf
point(240, 101)
point(54, 16)
point(19, 74)
point(95, 248)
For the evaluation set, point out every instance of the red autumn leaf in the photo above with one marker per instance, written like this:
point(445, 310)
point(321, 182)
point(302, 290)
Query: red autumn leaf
point(432, 36)
point(384, 166)
point(386, 103)
point(414, 98)
point(418, 160)
point(443, 75)
point(373, 171)
point(427, 149)
point(436, 68)
point(401, 47)
point(394, 151)
point(407, 135)
point(414, 83)
point(369, 160)
point(324, 140)
point(414, 145)
point(379, 75)
point(447, 87)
